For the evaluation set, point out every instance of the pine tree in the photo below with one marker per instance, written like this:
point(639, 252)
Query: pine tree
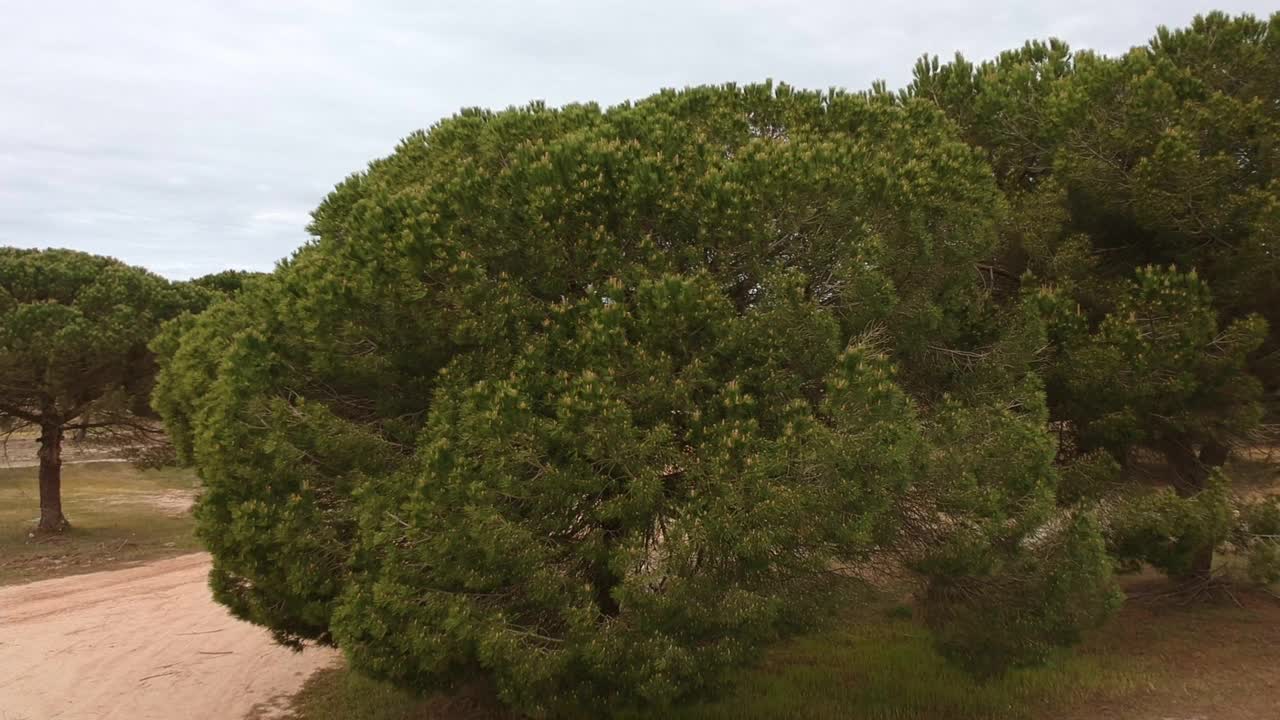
point(597, 403)
point(74, 330)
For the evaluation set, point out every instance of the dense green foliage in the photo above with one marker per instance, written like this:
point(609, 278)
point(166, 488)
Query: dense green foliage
point(1157, 370)
point(1145, 207)
point(227, 282)
point(1169, 532)
point(74, 330)
point(594, 404)
point(1257, 535)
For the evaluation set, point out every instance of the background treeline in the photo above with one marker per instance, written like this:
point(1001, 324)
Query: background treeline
point(596, 403)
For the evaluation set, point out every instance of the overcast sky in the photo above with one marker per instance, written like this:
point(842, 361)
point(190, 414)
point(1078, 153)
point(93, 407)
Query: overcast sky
point(194, 136)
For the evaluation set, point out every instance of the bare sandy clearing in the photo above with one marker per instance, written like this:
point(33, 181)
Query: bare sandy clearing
point(173, 502)
point(19, 450)
point(143, 643)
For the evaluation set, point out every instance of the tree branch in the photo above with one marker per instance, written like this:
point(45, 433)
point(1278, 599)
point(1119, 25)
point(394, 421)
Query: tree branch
point(20, 414)
point(139, 427)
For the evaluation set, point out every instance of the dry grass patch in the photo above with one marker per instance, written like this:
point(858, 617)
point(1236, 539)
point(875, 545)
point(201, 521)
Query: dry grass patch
point(119, 515)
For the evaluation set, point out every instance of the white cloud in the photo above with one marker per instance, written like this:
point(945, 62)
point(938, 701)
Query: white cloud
point(296, 218)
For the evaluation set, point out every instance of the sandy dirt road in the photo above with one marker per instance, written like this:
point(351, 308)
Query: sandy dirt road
point(145, 643)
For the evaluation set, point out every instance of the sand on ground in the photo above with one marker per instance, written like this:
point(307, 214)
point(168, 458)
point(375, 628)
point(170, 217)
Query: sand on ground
point(142, 643)
point(18, 450)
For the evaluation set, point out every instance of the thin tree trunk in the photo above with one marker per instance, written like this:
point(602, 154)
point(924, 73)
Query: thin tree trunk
point(1201, 567)
point(1191, 476)
point(51, 517)
point(603, 578)
point(1213, 455)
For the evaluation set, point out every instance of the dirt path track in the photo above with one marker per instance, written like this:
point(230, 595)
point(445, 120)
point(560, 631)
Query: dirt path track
point(146, 643)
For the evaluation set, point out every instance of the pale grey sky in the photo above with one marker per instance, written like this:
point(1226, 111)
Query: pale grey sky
point(191, 136)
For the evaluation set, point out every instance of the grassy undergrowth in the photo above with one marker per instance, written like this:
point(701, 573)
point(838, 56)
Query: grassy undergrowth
point(119, 515)
point(888, 670)
point(871, 664)
point(1161, 657)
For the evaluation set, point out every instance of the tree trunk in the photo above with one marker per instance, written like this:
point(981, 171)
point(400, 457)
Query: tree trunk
point(1201, 568)
point(1191, 475)
point(51, 517)
point(1213, 455)
point(603, 578)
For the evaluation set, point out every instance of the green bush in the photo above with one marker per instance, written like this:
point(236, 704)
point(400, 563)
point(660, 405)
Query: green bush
point(596, 404)
point(1258, 537)
point(1171, 532)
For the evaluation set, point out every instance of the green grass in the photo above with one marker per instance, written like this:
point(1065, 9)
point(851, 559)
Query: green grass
point(886, 669)
point(871, 665)
point(119, 515)
point(338, 694)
